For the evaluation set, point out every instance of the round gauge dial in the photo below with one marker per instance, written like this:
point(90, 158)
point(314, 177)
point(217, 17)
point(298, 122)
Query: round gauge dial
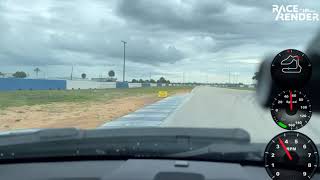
point(291, 155)
point(291, 109)
point(291, 69)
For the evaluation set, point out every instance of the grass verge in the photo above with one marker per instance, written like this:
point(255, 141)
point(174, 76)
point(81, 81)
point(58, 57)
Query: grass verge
point(21, 98)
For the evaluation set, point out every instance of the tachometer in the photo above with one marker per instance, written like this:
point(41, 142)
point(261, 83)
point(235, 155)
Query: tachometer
point(291, 155)
point(291, 109)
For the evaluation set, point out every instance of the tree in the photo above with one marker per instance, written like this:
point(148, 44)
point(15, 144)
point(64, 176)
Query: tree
point(152, 81)
point(1, 74)
point(19, 74)
point(141, 81)
point(83, 75)
point(134, 81)
point(111, 73)
point(162, 80)
point(255, 76)
point(37, 70)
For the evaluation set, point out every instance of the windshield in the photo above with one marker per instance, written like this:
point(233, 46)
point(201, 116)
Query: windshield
point(125, 64)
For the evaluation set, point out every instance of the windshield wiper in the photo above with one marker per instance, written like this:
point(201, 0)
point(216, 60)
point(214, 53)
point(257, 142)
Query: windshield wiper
point(242, 153)
point(38, 135)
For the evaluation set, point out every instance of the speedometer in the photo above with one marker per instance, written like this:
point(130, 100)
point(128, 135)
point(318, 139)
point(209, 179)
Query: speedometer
point(291, 155)
point(291, 109)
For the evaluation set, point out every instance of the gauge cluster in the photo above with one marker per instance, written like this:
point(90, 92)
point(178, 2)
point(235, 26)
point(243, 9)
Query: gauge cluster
point(294, 151)
point(291, 68)
point(291, 109)
point(291, 155)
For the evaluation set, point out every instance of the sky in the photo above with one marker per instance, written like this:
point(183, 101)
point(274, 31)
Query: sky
point(190, 40)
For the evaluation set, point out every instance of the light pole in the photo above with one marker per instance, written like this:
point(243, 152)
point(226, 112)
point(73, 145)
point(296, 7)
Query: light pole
point(124, 60)
point(71, 72)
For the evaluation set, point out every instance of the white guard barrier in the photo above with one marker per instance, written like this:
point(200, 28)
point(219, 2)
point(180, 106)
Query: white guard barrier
point(77, 84)
point(134, 85)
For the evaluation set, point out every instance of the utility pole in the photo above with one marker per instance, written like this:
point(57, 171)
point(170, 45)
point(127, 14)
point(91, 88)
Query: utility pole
point(124, 60)
point(229, 74)
point(71, 72)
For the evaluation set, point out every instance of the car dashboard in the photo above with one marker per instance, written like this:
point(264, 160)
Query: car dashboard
point(140, 169)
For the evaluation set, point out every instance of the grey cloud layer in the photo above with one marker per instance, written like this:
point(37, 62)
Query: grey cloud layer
point(88, 33)
point(34, 39)
point(230, 23)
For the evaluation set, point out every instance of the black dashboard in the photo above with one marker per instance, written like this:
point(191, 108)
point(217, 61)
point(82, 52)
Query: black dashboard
point(133, 169)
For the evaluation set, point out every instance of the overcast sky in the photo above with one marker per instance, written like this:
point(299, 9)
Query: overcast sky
point(205, 39)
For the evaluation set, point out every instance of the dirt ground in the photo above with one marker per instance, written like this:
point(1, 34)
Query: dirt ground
point(79, 115)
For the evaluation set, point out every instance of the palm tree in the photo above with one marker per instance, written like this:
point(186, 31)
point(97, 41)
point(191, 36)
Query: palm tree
point(83, 75)
point(37, 70)
point(111, 73)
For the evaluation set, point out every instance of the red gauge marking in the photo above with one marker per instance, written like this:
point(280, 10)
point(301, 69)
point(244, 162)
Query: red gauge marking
point(291, 104)
point(285, 149)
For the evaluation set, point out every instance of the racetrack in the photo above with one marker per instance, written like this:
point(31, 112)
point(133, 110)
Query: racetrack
point(210, 107)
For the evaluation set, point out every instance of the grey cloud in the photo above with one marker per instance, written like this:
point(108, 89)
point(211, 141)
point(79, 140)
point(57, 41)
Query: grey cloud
point(185, 16)
point(247, 20)
point(38, 40)
point(160, 34)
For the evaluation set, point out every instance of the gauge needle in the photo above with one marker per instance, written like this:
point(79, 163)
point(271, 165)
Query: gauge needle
point(291, 105)
point(285, 149)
